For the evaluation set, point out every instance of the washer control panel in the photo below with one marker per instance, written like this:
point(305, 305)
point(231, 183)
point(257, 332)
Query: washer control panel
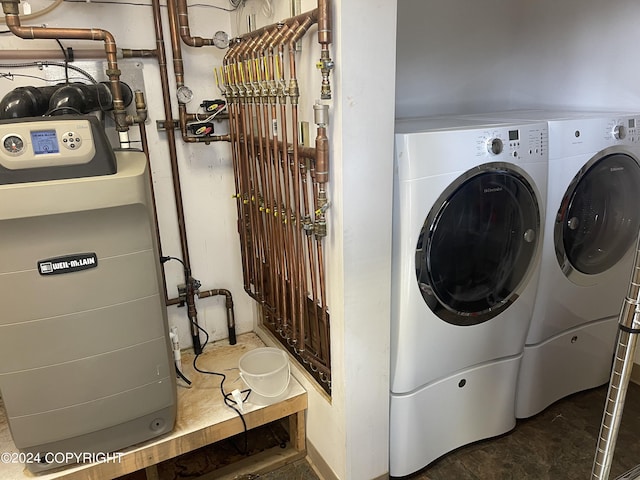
point(519, 142)
point(50, 143)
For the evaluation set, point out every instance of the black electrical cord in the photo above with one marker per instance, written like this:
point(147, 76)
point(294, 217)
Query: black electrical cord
point(66, 60)
point(228, 400)
point(49, 112)
point(181, 375)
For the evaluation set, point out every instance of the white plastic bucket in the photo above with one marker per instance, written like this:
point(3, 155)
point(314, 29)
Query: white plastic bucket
point(266, 371)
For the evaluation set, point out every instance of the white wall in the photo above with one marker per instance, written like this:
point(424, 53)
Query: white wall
point(456, 56)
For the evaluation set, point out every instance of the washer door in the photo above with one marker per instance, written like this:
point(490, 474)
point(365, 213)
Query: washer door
point(478, 243)
point(599, 216)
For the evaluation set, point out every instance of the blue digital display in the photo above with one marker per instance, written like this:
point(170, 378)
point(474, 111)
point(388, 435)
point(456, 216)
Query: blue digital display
point(44, 142)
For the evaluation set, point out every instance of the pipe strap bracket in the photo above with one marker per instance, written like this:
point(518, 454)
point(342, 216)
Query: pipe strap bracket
point(624, 328)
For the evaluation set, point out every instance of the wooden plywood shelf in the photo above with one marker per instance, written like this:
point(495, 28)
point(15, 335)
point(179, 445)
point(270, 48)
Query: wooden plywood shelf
point(202, 419)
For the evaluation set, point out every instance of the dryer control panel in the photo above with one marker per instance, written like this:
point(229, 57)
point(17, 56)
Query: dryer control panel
point(521, 142)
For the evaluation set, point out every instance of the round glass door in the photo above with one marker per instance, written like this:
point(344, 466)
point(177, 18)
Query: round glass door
point(599, 216)
point(478, 243)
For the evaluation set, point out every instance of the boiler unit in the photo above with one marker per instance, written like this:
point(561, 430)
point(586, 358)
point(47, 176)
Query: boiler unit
point(85, 363)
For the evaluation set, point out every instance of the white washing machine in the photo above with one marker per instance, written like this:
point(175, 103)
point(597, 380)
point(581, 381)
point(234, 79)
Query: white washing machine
point(592, 226)
point(467, 231)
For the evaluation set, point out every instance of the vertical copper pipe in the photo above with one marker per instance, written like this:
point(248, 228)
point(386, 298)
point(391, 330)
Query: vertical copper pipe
point(171, 140)
point(289, 314)
point(325, 38)
point(236, 155)
point(321, 175)
point(277, 92)
point(298, 247)
point(246, 171)
point(175, 173)
point(307, 228)
point(253, 165)
point(266, 173)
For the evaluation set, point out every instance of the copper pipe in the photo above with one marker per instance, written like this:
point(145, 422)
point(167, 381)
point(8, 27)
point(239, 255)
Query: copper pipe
point(289, 313)
point(135, 53)
point(263, 161)
point(173, 155)
point(78, 54)
point(183, 23)
point(269, 92)
point(245, 169)
point(294, 95)
point(293, 315)
point(177, 14)
point(325, 38)
point(145, 148)
point(310, 15)
point(12, 19)
point(236, 156)
point(175, 173)
point(303, 152)
point(253, 165)
point(231, 320)
point(272, 176)
point(178, 65)
point(307, 228)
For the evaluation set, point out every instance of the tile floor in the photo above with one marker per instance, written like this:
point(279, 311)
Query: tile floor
point(557, 444)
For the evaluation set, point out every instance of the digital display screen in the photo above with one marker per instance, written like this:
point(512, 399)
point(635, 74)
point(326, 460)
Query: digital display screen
point(632, 123)
point(44, 141)
point(514, 135)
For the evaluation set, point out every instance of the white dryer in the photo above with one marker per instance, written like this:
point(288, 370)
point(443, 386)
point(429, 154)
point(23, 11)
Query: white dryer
point(467, 230)
point(590, 237)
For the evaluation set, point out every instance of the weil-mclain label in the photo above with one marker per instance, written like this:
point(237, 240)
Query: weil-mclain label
point(67, 263)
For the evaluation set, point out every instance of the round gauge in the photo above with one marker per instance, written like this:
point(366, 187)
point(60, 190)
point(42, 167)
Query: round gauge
point(184, 93)
point(221, 39)
point(13, 144)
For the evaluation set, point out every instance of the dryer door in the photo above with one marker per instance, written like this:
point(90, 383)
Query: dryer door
point(478, 243)
point(599, 216)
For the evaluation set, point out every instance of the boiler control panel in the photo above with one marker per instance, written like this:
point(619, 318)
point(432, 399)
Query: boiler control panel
point(46, 143)
point(38, 149)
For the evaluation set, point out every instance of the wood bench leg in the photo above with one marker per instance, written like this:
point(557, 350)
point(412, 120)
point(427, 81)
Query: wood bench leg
point(297, 434)
point(152, 472)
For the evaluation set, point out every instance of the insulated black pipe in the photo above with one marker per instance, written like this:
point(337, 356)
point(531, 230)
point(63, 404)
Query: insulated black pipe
point(83, 98)
point(24, 102)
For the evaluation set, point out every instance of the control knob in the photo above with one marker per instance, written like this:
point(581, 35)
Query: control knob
point(619, 132)
point(495, 146)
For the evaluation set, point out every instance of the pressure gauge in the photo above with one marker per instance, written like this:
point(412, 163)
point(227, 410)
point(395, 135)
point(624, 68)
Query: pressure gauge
point(13, 144)
point(221, 39)
point(184, 94)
